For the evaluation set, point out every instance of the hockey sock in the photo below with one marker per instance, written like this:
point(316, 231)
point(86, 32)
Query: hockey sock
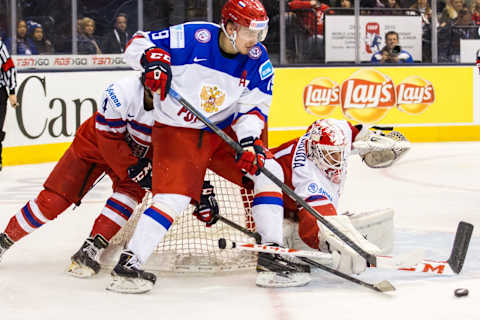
point(267, 211)
point(114, 215)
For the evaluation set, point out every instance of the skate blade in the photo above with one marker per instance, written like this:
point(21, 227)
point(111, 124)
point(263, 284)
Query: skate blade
point(274, 280)
point(80, 271)
point(129, 285)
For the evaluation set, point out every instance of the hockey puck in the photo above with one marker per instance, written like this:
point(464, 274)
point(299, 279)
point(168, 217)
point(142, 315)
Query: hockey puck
point(461, 292)
point(222, 243)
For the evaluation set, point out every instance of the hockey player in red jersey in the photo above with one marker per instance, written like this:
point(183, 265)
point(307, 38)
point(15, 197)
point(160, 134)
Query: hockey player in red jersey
point(115, 140)
point(225, 72)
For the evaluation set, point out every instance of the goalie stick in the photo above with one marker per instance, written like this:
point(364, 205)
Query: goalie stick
point(405, 262)
point(371, 259)
point(383, 286)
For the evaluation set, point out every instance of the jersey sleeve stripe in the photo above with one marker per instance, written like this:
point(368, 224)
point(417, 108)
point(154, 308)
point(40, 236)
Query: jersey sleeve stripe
point(140, 127)
point(255, 111)
point(316, 198)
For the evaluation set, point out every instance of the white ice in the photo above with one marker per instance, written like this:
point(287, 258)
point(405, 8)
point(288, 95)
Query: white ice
point(431, 189)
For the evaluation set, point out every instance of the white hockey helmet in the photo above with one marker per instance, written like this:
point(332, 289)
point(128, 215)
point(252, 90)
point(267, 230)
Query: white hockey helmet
point(326, 145)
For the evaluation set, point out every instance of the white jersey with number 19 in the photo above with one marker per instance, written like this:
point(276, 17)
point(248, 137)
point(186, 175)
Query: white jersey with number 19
point(226, 89)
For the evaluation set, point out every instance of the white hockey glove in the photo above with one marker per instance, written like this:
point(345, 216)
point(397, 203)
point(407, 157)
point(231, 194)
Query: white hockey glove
point(345, 259)
point(379, 149)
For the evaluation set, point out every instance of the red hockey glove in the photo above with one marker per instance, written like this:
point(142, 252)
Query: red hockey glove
point(141, 173)
point(157, 74)
point(252, 159)
point(207, 210)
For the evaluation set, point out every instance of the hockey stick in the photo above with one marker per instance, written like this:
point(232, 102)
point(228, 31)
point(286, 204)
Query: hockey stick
point(371, 259)
point(383, 286)
point(410, 262)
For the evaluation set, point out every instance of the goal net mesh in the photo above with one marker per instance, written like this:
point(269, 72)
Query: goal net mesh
point(189, 246)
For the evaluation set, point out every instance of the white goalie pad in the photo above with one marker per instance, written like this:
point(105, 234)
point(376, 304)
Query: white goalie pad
point(378, 149)
point(376, 226)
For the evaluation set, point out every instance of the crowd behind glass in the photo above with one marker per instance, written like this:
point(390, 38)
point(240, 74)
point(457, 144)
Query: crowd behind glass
point(105, 26)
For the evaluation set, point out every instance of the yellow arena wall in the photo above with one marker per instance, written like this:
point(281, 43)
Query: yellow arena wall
point(453, 115)
point(427, 104)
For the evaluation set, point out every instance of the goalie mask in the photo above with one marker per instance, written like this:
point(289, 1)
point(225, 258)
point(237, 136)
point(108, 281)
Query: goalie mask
point(250, 15)
point(325, 146)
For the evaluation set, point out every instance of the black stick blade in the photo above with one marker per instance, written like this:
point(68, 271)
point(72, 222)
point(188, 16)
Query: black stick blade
point(460, 246)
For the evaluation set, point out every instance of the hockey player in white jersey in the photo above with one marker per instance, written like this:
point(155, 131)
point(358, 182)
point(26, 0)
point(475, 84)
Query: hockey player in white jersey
point(224, 71)
point(115, 140)
point(315, 167)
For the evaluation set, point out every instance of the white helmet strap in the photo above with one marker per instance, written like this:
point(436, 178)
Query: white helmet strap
point(232, 38)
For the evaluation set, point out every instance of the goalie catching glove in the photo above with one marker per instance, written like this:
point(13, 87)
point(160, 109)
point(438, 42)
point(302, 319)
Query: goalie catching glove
point(207, 210)
point(379, 149)
point(157, 74)
point(253, 156)
point(345, 259)
point(141, 173)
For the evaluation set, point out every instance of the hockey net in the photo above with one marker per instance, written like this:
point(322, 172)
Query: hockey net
point(189, 246)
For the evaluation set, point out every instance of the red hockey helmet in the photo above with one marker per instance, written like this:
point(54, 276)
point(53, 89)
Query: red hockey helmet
point(247, 13)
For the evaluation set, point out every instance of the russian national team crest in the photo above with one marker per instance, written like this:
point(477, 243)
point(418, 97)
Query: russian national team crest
point(212, 97)
point(255, 52)
point(203, 35)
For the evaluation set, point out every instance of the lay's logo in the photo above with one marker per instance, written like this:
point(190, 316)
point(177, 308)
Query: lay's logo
point(321, 96)
point(415, 94)
point(368, 95)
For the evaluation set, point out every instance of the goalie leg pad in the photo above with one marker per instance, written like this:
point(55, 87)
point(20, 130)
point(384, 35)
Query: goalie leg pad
point(376, 226)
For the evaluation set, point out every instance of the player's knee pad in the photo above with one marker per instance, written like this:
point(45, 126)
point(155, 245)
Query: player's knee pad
point(51, 204)
point(171, 204)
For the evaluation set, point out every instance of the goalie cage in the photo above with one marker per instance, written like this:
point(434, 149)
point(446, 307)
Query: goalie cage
point(189, 246)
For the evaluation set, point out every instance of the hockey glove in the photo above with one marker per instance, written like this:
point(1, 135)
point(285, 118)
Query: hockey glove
point(141, 173)
point(345, 259)
point(207, 209)
point(157, 74)
point(252, 158)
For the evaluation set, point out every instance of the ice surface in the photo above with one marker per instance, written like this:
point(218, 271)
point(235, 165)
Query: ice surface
point(431, 189)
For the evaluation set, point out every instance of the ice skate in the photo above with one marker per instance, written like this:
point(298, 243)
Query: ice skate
point(128, 277)
point(85, 262)
point(5, 244)
point(274, 271)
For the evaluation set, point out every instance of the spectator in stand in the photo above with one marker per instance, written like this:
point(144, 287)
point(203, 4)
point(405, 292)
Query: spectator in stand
point(475, 10)
point(450, 12)
point(87, 44)
point(312, 21)
point(8, 83)
point(422, 6)
point(43, 45)
point(24, 44)
point(346, 4)
point(116, 40)
point(392, 52)
point(391, 4)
